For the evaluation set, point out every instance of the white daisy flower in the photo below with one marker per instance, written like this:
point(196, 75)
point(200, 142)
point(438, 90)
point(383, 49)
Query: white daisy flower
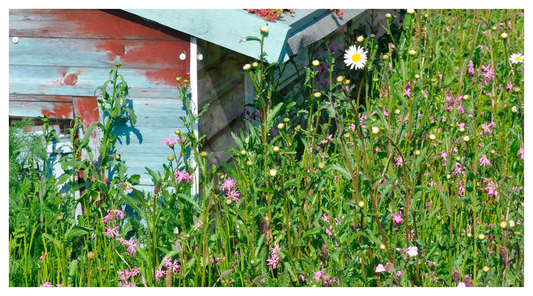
point(355, 57)
point(516, 58)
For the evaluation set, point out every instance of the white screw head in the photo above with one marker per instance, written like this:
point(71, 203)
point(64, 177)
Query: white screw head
point(183, 56)
point(15, 40)
point(200, 56)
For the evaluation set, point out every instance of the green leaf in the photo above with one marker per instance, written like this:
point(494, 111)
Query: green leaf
point(73, 268)
point(77, 230)
point(341, 170)
point(190, 200)
point(135, 179)
point(259, 245)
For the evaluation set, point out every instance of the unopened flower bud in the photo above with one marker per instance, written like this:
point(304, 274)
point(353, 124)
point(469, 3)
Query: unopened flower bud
point(264, 30)
point(494, 28)
point(433, 79)
point(249, 162)
point(117, 156)
point(170, 158)
point(397, 111)
point(466, 138)
point(286, 120)
point(417, 152)
point(228, 201)
point(448, 176)
point(486, 268)
point(417, 76)
point(360, 39)
point(388, 15)
point(503, 224)
point(382, 246)
point(347, 81)
point(432, 137)
point(462, 129)
point(243, 152)
point(177, 132)
point(514, 109)
point(410, 11)
point(317, 94)
point(412, 52)
point(315, 63)
point(117, 64)
point(385, 57)
point(204, 154)
point(321, 165)
point(275, 149)
point(481, 236)
point(516, 89)
point(469, 235)
point(273, 172)
point(504, 35)
point(361, 204)
point(340, 78)
point(255, 64)
point(466, 97)
point(281, 126)
point(246, 67)
point(375, 79)
point(375, 130)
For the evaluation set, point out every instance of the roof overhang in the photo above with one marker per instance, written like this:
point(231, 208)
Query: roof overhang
point(230, 27)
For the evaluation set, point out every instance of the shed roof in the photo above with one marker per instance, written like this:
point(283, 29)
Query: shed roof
point(230, 27)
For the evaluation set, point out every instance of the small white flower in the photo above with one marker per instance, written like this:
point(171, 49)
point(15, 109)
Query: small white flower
point(176, 230)
point(516, 58)
point(197, 223)
point(355, 57)
point(410, 11)
point(126, 187)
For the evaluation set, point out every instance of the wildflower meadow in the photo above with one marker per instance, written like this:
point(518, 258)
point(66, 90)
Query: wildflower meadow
point(397, 161)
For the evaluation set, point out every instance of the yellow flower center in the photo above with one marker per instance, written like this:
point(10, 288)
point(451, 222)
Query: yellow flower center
point(356, 57)
point(518, 59)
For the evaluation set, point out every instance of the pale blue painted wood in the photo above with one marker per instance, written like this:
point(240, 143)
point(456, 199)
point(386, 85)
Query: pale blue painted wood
point(156, 120)
point(300, 18)
point(68, 52)
point(224, 27)
point(27, 79)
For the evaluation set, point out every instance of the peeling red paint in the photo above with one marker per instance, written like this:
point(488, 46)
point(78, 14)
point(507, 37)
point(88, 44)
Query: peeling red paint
point(78, 23)
point(67, 79)
point(146, 54)
point(85, 108)
point(165, 76)
point(61, 110)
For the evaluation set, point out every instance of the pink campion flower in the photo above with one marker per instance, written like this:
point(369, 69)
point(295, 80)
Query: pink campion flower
point(46, 285)
point(319, 274)
point(112, 214)
point(460, 109)
point(328, 231)
point(301, 277)
point(135, 271)
point(43, 257)
point(392, 46)
point(521, 152)
point(484, 161)
point(443, 155)
point(228, 184)
point(169, 142)
point(167, 263)
point(274, 259)
point(385, 112)
point(448, 29)
point(471, 69)
point(407, 91)
point(175, 266)
point(509, 86)
point(233, 195)
point(399, 273)
point(181, 176)
point(325, 217)
point(487, 74)
point(380, 268)
point(461, 125)
point(130, 245)
point(397, 218)
point(159, 274)
point(461, 189)
point(123, 275)
point(399, 161)
point(461, 285)
point(128, 285)
point(111, 232)
point(486, 128)
point(491, 189)
point(412, 251)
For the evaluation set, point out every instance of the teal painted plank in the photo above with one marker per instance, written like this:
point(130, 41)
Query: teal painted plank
point(154, 83)
point(142, 54)
point(156, 120)
point(224, 27)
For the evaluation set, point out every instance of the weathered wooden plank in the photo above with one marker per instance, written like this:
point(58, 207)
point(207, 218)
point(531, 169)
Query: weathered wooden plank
point(37, 108)
point(143, 54)
point(79, 81)
point(84, 23)
point(224, 27)
point(222, 111)
point(140, 145)
point(39, 98)
point(300, 18)
point(222, 141)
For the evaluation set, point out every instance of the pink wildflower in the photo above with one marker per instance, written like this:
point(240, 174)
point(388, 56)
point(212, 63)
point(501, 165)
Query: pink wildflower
point(325, 217)
point(135, 271)
point(521, 152)
point(46, 285)
point(181, 176)
point(443, 155)
point(228, 184)
point(159, 274)
point(233, 195)
point(131, 245)
point(412, 251)
point(328, 231)
point(380, 268)
point(399, 161)
point(461, 285)
point(274, 259)
point(397, 218)
point(112, 232)
point(319, 274)
point(471, 70)
point(484, 161)
point(407, 91)
point(169, 142)
point(43, 257)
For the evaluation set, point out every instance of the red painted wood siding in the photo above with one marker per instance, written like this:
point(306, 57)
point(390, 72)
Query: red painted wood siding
point(62, 56)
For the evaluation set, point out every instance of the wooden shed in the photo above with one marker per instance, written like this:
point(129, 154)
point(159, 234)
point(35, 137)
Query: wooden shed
point(57, 58)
